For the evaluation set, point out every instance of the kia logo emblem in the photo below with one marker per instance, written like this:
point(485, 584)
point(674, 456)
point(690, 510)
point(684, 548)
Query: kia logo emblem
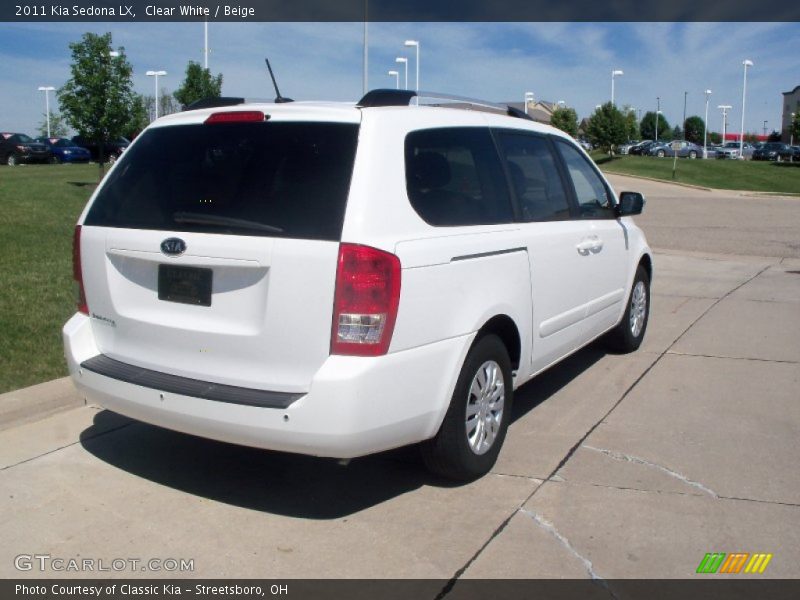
point(173, 246)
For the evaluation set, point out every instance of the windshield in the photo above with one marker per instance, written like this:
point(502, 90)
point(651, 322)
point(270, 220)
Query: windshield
point(24, 139)
point(274, 179)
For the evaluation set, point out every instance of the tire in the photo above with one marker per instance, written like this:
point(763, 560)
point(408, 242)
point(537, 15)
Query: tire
point(627, 336)
point(660, 154)
point(465, 452)
point(11, 161)
point(692, 154)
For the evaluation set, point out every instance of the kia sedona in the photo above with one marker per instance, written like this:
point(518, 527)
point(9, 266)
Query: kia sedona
point(339, 279)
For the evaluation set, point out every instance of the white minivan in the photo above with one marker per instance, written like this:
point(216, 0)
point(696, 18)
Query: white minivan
point(341, 279)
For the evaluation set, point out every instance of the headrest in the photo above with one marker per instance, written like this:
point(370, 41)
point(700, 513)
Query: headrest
point(429, 170)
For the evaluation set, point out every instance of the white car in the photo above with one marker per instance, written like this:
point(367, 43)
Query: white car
point(338, 280)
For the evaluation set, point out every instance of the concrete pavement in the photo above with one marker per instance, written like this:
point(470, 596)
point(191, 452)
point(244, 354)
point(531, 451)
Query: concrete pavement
point(614, 466)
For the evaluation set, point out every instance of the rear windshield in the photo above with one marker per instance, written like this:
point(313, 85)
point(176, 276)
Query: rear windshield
point(273, 179)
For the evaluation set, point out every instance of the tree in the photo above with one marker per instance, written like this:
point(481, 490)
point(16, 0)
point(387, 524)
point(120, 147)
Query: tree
point(695, 129)
point(794, 127)
point(58, 128)
point(631, 124)
point(166, 104)
point(565, 119)
point(648, 127)
point(714, 137)
point(98, 99)
point(677, 132)
point(198, 84)
point(138, 118)
point(774, 136)
point(607, 127)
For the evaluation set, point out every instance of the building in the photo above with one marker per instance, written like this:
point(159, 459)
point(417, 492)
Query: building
point(538, 110)
point(791, 104)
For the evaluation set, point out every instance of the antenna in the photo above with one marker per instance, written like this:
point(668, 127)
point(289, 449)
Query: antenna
point(278, 98)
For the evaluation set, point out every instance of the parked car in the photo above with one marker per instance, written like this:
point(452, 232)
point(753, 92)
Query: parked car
point(18, 148)
point(731, 150)
point(772, 151)
point(791, 153)
point(111, 150)
point(64, 150)
point(586, 144)
point(641, 148)
point(625, 148)
point(338, 280)
point(686, 150)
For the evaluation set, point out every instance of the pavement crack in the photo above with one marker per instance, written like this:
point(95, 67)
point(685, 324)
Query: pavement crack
point(550, 528)
point(641, 461)
point(79, 441)
point(766, 360)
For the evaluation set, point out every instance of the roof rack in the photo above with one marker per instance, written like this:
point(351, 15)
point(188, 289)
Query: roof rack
point(389, 97)
point(214, 102)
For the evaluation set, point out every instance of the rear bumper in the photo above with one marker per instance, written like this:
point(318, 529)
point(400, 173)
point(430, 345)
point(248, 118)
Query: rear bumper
point(354, 406)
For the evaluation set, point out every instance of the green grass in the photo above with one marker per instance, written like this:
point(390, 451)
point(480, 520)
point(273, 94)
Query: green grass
point(720, 174)
point(40, 205)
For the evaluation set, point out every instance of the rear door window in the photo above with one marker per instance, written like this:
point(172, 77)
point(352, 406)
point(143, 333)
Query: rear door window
point(534, 176)
point(280, 179)
point(454, 177)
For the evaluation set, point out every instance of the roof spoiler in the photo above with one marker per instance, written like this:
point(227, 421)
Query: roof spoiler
point(389, 97)
point(214, 102)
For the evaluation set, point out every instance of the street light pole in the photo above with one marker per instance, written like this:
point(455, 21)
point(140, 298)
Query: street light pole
point(404, 61)
point(528, 98)
point(205, 43)
point(765, 127)
point(614, 73)
point(746, 63)
point(396, 78)
point(725, 108)
point(658, 112)
point(705, 128)
point(156, 75)
point(684, 114)
point(414, 43)
point(47, 89)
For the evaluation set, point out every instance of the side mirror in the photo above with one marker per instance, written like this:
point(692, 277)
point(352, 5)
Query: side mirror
point(630, 203)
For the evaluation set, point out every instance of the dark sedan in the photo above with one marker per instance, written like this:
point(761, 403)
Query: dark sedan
point(18, 148)
point(111, 150)
point(791, 154)
point(641, 148)
point(771, 151)
point(64, 150)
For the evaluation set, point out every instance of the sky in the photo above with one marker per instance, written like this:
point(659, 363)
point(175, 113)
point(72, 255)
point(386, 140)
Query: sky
point(492, 61)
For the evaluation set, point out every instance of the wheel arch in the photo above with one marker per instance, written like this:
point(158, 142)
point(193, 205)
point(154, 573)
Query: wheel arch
point(646, 261)
point(506, 329)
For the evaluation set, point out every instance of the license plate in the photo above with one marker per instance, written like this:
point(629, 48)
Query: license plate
point(187, 285)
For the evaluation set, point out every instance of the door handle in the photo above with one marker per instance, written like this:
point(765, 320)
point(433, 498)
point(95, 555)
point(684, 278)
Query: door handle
point(589, 245)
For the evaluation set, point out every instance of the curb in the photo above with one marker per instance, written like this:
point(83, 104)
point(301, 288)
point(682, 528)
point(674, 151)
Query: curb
point(686, 185)
point(747, 193)
point(37, 402)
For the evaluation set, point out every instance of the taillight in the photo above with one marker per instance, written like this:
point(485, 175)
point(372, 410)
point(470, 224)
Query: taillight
point(77, 270)
point(365, 301)
point(236, 116)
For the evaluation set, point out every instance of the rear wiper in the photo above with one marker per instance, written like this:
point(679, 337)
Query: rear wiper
point(201, 219)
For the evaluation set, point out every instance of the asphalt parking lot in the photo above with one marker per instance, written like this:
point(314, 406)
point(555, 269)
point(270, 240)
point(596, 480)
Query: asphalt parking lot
point(614, 467)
